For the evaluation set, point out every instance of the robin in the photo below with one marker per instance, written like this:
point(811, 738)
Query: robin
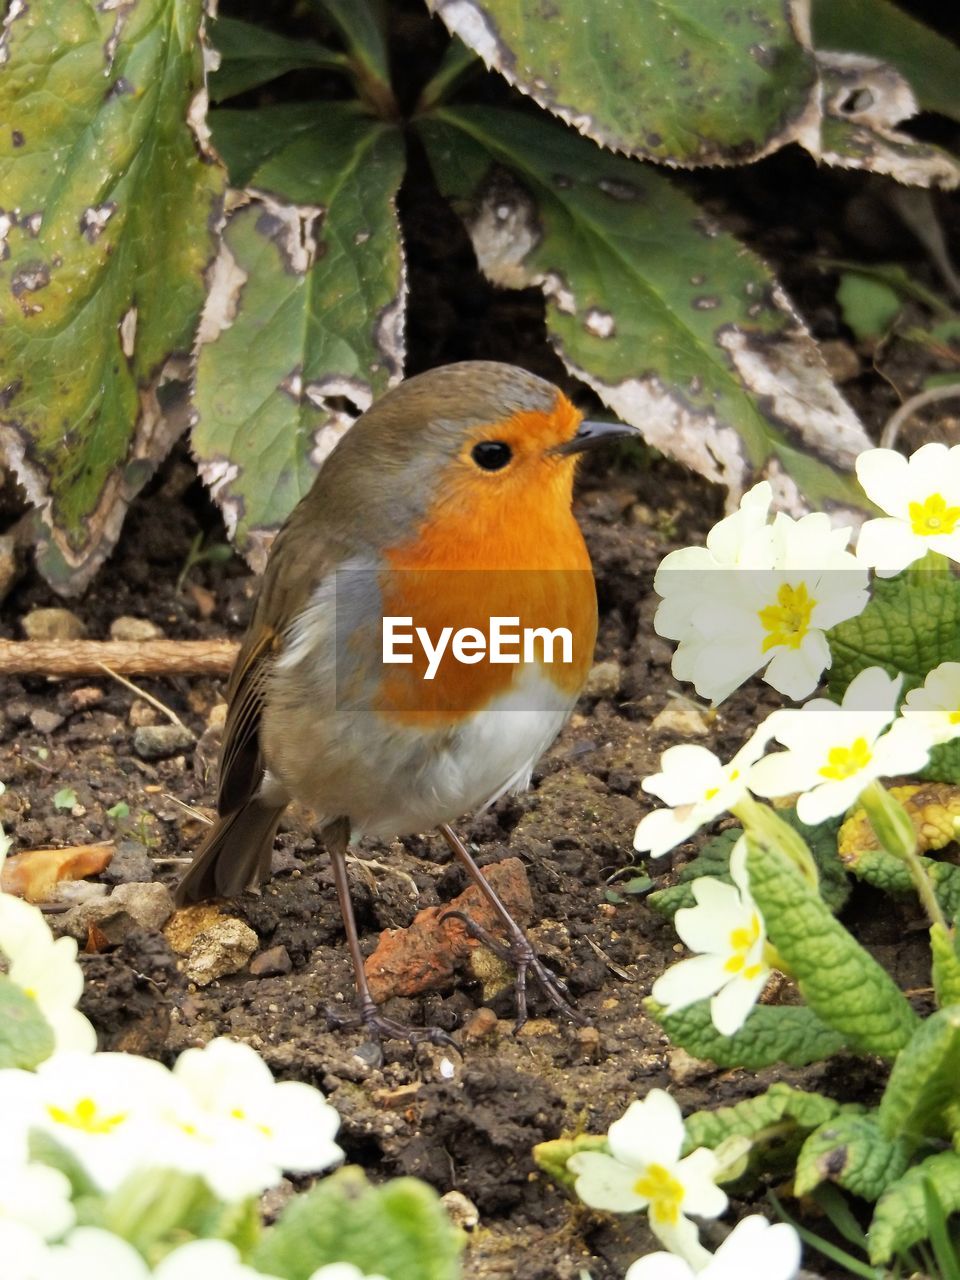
point(424, 626)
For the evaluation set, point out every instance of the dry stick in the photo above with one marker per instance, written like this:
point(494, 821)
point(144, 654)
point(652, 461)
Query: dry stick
point(127, 657)
point(142, 693)
point(909, 407)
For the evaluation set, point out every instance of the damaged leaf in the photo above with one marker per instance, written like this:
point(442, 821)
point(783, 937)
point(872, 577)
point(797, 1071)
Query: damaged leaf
point(682, 81)
point(303, 325)
point(35, 873)
point(109, 202)
point(676, 326)
point(863, 101)
point(928, 61)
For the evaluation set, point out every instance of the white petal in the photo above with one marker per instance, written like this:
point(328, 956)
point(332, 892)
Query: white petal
point(781, 774)
point(888, 546)
point(707, 926)
point(873, 691)
point(605, 1183)
point(649, 1132)
point(883, 477)
point(796, 672)
point(731, 1006)
point(691, 980)
point(687, 770)
point(663, 830)
point(757, 1247)
point(660, 1266)
point(697, 1172)
point(832, 798)
point(682, 1238)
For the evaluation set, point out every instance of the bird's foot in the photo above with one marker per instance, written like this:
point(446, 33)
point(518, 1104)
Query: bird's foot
point(381, 1027)
point(518, 952)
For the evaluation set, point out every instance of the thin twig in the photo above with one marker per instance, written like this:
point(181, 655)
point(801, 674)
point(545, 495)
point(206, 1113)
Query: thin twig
point(67, 658)
point(142, 693)
point(888, 437)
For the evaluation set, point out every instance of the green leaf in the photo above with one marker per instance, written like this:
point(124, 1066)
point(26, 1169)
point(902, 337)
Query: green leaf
point(304, 324)
point(685, 81)
point(775, 1122)
point(922, 1097)
point(103, 160)
point(854, 1152)
point(889, 874)
point(901, 1217)
point(552, 1156)
point(911, 625)
point(675, 325)
point(714, 860)
point(363, 25)
point(869, 307)
point(838, 979)
point(65, 798)
point(252, 55)
point(946, 965)
point(26, 1038)
point(929, 61)
point(118, 811)
point(792, 1035)
point(398, 1229)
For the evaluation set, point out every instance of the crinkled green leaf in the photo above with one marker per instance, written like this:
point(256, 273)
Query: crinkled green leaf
point(945, 948)
point(775, 1122)
point(110, 209)
point(304, 323)
point(552, 1156)
point(854, 1152)
point(684, 81)
point(868, 306)
point(793, 1035)
point(676, 326)
point(252, 55)
point(838, 979)
point(911, 625)
point(714, 860)
point(900, 1219)
point(399, 1230)
point(929, 61)
point(922, 1097)
point(26, 1037)
point(886, 872)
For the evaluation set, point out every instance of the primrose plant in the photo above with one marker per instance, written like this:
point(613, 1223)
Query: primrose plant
point(787, 598)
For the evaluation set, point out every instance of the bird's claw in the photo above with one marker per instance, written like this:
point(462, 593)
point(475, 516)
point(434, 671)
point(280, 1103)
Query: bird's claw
point(382, 1027)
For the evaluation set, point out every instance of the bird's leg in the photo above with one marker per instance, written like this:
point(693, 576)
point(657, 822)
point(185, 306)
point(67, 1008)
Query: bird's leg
point(518, 951)
point(336, 837)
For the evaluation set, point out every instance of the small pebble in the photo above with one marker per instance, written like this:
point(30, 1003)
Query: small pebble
point(588, 1041)
point(680, 720)
point(843, 363)
point(225, 947)
point(142, 713)
point(482, 1022)
point(52, 624)
point(271, 963)
point(45, 721)
point(463, 1213)
point(603, 680)
point(135, 629)
point(684, 1067)
point(158, 741)
point(130, 864)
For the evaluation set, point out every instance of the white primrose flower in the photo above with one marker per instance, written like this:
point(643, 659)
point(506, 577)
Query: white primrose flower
point(45, 968)
point(254, 1126)
point(726, 927)
point(343, 1271)
point(767, 609)
point(88, 1253)
point(698, 788)
point(754, 1250)
point(104, 1108)
point(644, 1171)
point(206, 1260)
point(834, 752)
point(36, 1196)
point(935, 707)
point(921, 496)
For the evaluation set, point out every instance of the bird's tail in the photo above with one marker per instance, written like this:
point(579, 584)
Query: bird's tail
point(234, 856)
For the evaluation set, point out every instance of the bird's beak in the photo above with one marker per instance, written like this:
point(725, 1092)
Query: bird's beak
point(591, 434)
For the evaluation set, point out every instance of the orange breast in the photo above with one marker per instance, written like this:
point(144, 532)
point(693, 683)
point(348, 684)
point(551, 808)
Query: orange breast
point(484, 553)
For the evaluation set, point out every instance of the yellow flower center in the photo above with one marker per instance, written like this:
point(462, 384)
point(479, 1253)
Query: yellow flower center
point(787, 621)
point(741, 941)
point(86, 1116)
point(955, 716)
point(664, 1192)
point(933, 516)
point(843, 762)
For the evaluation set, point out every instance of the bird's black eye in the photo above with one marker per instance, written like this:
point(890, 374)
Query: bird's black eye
point(491, 455)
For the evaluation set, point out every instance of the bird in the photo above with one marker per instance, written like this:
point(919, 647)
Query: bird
point(447, 504)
